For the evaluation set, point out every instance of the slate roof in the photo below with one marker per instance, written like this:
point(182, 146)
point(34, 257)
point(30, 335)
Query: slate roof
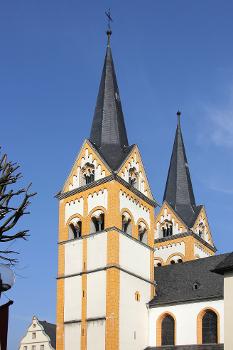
point(50, 330)
point(225, 266)
point(189, 347)
point(108, 131)
point(176, 283)
point(179, 191)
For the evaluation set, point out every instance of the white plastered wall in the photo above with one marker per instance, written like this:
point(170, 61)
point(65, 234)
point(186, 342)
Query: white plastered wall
point(97, 251)
point(134, 257)
point(199, 252)
point(98, 199)
point(133, 314)
point(73, 208)
point(165, 251)
point(73, 257)
point(73, 298)
point(228, 310)
point(72, 335)
point(186, 320)
point(138, 211)
point(96, 335)
point(96, 294)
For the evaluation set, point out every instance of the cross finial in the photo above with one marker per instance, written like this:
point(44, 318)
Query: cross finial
point(109, 19)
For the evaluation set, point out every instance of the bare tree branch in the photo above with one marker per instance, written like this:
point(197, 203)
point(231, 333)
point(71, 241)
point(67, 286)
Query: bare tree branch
point(13, 205)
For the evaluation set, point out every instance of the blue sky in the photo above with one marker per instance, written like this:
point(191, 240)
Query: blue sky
point(169, 55)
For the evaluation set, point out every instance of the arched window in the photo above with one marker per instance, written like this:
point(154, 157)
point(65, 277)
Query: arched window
point(175, 259)
point(88, 173)
point(167, 228)
point(209, 327)
point(126, 223)
point(97, 221)
point(133, 177)
point(142, 232)
point(75, 228)
point(201, 229)
point(168, 331)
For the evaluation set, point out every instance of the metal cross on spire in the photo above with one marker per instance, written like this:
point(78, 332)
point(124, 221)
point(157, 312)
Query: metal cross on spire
point(109, 19)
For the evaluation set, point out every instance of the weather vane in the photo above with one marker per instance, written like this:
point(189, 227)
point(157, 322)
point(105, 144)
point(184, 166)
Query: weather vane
point(109, 19)
point(109, 30)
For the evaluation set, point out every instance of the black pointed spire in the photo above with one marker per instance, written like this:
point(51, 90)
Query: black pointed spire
point(179, 191)
point(108, 132)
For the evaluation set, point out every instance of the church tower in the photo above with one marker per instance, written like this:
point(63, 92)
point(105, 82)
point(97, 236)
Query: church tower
point(182, 231)
point(106, 236)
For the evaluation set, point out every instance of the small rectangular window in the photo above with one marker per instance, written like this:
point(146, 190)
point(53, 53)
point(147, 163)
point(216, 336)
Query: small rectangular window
point(42, 347)
point(33, 335)
point(33, 347)
point(25, 348)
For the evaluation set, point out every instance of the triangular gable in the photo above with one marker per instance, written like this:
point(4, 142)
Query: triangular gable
point(134, 160)
point(87, 154)
point(201, 223)
point(167, 213)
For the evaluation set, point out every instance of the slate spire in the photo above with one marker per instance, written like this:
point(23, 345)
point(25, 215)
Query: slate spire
point(179, 191)
point(108, 132)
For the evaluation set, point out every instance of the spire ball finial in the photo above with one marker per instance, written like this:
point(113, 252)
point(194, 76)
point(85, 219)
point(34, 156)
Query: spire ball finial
point(178, 116)
point(109, 33)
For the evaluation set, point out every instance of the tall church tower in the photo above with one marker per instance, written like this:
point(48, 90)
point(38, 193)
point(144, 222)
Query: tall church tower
point(106, 236)
point(182, 231)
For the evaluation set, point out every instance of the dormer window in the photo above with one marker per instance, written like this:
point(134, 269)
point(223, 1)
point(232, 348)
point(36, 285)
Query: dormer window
point(133, 177)
point(75, 228)
point(142, 232)
point(88, 173)
point(126, 223)
point(167, 228)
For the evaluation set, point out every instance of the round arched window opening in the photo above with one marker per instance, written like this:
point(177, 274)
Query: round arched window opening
point(133, 177)
point(210, 327)
point(126, 223)
point(97, 221)
point(88, 173)
point(167, 228)
point(142, 232)
point(168, 331)
point(75, 229)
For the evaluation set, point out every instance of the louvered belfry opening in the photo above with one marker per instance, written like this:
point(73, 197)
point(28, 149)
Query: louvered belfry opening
point(210, 328)
point(168, 331)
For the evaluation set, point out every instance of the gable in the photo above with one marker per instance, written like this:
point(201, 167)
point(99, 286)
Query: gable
point(134, 163)
point(40, 334)
point(87, 156)
point(201, 225)
point(168, 215)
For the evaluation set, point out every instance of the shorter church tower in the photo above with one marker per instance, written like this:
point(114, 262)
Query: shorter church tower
point(182, 231)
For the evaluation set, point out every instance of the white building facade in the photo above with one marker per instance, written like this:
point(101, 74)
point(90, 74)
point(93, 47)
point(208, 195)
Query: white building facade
point(40, 335)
